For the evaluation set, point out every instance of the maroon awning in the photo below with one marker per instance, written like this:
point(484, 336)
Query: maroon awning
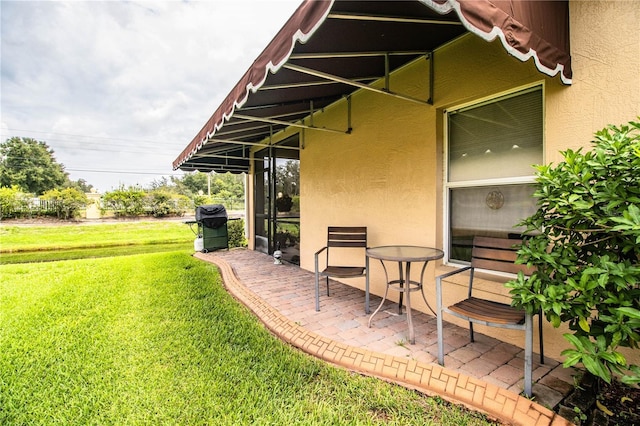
point(527, 29)
point(329, 49)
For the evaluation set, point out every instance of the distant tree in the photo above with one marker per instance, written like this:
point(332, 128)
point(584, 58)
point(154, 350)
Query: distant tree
point(30, 164)
point(287, 176)
point(225, 188)
point(192, 183)
point(163, 184)
point(80, 184)
point(227, 185)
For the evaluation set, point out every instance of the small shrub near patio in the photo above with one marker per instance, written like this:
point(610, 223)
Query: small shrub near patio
point(586, 248)
point(235, 233)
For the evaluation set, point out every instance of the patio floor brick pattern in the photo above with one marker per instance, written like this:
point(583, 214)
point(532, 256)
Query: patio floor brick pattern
point(485, 375)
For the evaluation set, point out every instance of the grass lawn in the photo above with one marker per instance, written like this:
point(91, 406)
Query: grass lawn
point(155, 339)
point(91, 252)
point(23, 244)
point(37, 238)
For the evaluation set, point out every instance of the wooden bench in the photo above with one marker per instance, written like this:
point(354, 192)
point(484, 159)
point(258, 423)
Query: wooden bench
point(491, 254)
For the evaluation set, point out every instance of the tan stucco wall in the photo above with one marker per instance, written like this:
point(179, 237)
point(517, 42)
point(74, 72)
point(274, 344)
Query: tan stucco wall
point(387, 174)
point(383, 175)
point(605, 52)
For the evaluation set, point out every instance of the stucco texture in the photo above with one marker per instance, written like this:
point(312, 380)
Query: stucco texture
point(387, 174)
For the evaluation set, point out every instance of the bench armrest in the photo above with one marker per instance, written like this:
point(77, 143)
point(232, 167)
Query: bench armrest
point(320, 251)
point(448, 274)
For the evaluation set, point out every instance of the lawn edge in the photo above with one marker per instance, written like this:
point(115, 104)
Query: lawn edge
point(431, 379)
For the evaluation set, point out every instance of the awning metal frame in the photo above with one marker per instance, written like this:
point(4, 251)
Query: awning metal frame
point(334, 79)
point(286, 123)
point(258, 144)
point(327, 79)
point(377, 18)
point(357, 84)
point(276, 93)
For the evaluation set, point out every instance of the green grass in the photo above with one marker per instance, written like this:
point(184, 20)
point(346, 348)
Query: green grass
point(38, 238)
point(94, 252)
point(24, 244)
point(155, 339)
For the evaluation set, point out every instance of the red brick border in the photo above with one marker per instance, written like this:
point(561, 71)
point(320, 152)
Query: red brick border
point(429, 378)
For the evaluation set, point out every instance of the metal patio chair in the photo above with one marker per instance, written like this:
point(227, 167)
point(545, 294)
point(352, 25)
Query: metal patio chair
point(491, 254)
point(339, 240)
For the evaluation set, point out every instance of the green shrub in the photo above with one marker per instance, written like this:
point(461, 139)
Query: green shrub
point(235, 232)
point(67, 202)
point(13, 202)
point(125, 202)
point(586, 248)
point(182, 204)
point(164, 203)
point(200, 200)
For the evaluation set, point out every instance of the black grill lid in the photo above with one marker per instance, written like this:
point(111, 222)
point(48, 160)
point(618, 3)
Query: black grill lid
point(211, 215)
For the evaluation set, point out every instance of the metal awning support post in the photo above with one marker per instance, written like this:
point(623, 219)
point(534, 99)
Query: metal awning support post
point(259, 144)
point(387, 74)
point(429, 57)
point(351, 83)
point(349, 128)
point(285, 123)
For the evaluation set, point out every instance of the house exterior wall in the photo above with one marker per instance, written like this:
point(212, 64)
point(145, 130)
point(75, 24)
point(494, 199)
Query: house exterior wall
point(388, 173)
point(605, 51)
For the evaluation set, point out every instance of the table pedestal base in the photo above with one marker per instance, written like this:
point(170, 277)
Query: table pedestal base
point(403, 286)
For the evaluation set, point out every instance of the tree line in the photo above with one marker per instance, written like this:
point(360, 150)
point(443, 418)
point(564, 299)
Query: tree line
point(34, 183)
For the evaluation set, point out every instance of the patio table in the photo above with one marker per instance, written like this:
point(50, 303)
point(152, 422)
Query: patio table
point(404, 254)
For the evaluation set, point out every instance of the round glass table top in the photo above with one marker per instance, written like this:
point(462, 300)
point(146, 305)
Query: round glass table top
point(401, 253)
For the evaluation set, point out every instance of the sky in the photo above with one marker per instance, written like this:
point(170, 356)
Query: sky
point(119, 88)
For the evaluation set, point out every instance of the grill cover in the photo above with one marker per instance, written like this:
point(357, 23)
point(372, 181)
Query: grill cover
point(212, 215)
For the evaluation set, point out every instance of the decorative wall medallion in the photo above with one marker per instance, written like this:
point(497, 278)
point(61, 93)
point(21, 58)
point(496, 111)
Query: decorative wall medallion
point(495, 200)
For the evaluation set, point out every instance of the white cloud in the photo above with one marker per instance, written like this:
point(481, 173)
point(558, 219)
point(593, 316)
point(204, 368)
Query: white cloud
point(135, 80)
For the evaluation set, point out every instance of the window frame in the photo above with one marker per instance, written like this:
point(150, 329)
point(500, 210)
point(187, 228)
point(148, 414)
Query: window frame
point(517, 180)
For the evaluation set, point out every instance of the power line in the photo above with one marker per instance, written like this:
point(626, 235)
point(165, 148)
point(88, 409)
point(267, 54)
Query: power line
point(128, 172)
point(74, 150)
point(125, 172)
point(146, 147)
point(26, 159)
point(155, 142)
point(73, 169)
point(103, 145)
point(83, 143)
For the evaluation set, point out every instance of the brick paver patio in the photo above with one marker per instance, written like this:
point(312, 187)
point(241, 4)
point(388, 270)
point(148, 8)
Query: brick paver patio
point(486, 374)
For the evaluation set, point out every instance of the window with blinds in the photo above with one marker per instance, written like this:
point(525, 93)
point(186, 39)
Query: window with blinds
point(491, 150)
